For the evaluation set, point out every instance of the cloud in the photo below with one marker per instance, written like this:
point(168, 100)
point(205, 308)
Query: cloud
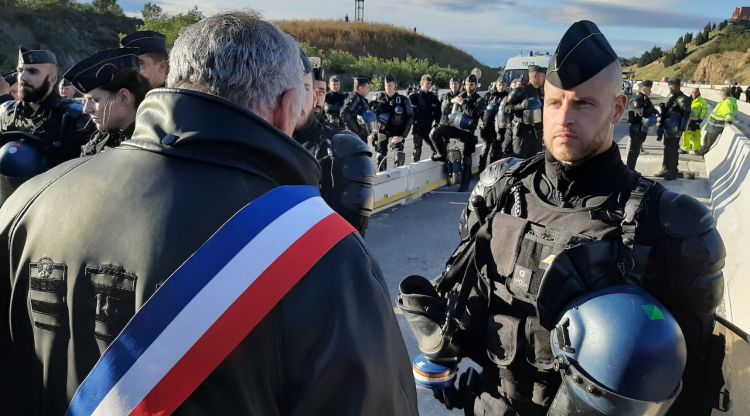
point(660, 14)
point(462, 5)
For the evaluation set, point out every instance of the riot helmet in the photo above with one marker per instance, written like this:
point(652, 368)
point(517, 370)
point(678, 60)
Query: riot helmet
point(619, 352)
point(22, 157)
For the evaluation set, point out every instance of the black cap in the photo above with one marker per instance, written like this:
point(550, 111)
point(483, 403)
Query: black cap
point(582, 53)
point(426, 77)
point(675, 81)
point(319, 72)
point(35, 56)
point(536, 68)
point(146, 41)
point(362, 79)
point(101, 68)
point(647, 83)
point(11, 78)
point(333, 78)
point(454, 79)
point(390, 78)
point(471, 78)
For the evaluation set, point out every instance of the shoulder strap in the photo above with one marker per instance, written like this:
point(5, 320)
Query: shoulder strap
point(634, 208)
point(232, 282)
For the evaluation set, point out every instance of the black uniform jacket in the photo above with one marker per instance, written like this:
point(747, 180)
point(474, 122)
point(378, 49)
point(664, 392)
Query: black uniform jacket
point(332, 346)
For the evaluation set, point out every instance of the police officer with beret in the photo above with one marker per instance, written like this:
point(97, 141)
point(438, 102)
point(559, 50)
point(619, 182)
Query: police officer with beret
point(396, 117)
point(40, 130)
point(356, 106)
point(113, 88)
point(641, 115)
point(345, 161)
point(426, 107)
point(462, 123)
point(334, 100)
point(544, 237)
point(153, 59)
point(492, 135)
point(8, 87)
point(673, 121)
point(525, 104)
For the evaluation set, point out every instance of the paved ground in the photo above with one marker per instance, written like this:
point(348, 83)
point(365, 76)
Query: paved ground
point(418, 237)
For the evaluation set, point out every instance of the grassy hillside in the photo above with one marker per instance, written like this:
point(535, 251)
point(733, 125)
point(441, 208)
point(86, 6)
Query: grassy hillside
point(73, 33)
point(381, 40)
point(724, 57)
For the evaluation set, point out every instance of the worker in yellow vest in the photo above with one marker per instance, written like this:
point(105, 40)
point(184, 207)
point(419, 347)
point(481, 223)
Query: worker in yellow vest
point(723, 114)
point(691, 139)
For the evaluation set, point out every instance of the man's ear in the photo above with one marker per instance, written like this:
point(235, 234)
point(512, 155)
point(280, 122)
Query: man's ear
point(621, 104)
point(284, 116)
point(164, 66)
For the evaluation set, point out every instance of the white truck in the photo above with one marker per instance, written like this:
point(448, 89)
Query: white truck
point(518, 66)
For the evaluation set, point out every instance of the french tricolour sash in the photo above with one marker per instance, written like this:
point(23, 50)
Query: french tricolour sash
point(210, 304)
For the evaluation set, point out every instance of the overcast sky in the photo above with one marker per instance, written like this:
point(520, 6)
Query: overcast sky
point(493, 30)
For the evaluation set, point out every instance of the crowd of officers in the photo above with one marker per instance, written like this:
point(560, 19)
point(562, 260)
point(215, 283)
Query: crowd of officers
point(508, 118)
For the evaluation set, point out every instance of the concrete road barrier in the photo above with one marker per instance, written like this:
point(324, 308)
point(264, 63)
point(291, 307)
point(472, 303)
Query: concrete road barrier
point(727, 165)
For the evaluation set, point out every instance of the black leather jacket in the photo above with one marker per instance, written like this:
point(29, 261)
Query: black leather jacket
point(331, 346)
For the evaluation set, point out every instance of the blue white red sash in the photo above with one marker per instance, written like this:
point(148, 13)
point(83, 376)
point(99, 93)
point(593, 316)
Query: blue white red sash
point(210, 304)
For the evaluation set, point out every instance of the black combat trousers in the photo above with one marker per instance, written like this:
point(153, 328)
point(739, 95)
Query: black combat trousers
point(421, 133)
point(671, 156)
point(381, 145)
point(637, 137)
point(493, 142)
point(443, 134)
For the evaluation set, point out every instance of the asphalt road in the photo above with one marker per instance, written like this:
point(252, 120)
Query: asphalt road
point(418, 237)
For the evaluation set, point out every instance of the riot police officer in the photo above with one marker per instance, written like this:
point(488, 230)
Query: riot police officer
point(396, 126)
point(53, 129)
point(525, 104)
point(355, 106)
point(493, 137)
point(672, 123)
point(446, 107)
point(153, 58)
point(462, 124)
point(641, 115)
point(542, 237)
point(8, 87)
point(113, 89)
point(426, 107)
point(345, 161)
point(334, 100)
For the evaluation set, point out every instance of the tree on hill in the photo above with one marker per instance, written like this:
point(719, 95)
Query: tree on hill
point(688, 37)
point(107, 6)
point(155, 19)
point(723, 24)
point(650, 56)
point(699, 39)
point(713, 27)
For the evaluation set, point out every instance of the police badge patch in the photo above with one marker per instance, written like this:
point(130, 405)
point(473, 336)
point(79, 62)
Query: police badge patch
point(47, 294)
point(114, 291)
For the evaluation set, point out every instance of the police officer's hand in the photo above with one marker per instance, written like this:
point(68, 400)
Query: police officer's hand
point(457, 100)
point(526, 104)
point(469, 387)
point(371, 139)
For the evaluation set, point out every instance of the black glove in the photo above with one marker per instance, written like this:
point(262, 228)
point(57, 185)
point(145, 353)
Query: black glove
point(526, 104)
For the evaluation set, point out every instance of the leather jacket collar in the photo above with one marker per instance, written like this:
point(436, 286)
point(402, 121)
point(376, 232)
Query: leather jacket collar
point(194, 125)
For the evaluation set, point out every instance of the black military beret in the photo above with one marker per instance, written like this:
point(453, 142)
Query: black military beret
point(675, 81)
point(471, 78)
point(11, 78)
point(454, 79)
point(362, 79)
point(647, 83)
point(101, 68)
point(146, 41)
point(426, 77)
point(333, 78)
point(390, 78)
point(582, 53)
point(35, 56)
point(318, 70)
